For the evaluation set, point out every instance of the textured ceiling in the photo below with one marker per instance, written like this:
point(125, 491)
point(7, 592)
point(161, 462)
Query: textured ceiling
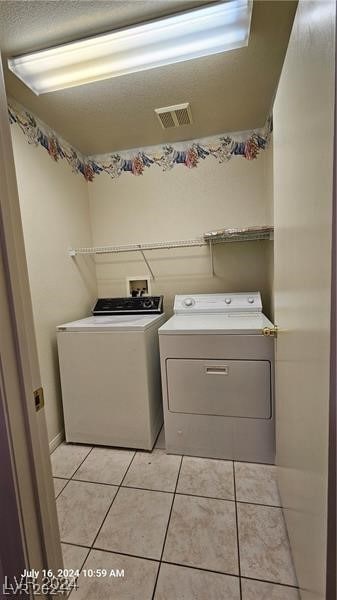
point(228, 92)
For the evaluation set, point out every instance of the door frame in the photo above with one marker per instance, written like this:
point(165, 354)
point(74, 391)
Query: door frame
point(25, 471)
point(331, 581)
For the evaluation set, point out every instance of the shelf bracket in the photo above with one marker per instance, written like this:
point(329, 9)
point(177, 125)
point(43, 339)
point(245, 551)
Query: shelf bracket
point(146, 262)
point(211, 256)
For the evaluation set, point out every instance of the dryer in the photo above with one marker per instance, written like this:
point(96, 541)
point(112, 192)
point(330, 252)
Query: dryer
point(217, 369)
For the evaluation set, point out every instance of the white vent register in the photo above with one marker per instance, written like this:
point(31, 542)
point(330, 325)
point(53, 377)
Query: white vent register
point(174, 116)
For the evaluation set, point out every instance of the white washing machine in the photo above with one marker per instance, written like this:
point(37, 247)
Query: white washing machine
point(110, 374)
point(217, 369)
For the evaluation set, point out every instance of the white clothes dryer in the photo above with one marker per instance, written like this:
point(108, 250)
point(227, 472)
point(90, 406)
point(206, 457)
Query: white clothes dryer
point(217, 369)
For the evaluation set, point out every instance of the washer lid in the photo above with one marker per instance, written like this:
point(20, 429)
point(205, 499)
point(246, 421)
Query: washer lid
point(112, 323)
point(244, 324)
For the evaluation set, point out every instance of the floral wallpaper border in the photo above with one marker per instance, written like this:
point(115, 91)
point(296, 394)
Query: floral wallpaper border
point(224, 147)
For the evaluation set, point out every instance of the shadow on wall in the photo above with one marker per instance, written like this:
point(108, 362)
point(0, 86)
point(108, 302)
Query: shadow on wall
point(86, 270)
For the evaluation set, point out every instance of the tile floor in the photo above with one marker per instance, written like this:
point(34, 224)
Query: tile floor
point(181, 528)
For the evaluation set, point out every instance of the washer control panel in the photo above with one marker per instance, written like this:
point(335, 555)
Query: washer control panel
point(218, 303)
point(129, 306)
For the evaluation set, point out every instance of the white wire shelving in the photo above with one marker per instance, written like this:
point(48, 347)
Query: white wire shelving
point(225, 236)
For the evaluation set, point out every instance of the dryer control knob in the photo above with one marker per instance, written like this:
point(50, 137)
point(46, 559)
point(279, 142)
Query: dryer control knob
point(189, 302)
point(251, 300)
point(228, 300)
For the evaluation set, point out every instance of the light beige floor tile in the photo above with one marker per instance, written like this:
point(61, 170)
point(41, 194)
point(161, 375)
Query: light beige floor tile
point(256, 483)
point(160, 443)
point(67, 458)
point(205, 477)
point(258, 590)
point(81, 508)
point(154, 471)
point(105, 465)
point(202, 533)
point(183, 583)
point(73, 556)
point(137, 584)
point(59, 484)
point(264, 547)
point(136, 523)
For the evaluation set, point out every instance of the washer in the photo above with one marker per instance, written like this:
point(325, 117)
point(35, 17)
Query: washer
point(218, 378)
point(110, 373)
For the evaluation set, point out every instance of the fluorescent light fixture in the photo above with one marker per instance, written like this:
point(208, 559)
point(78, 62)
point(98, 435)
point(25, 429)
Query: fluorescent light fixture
point(207, 30)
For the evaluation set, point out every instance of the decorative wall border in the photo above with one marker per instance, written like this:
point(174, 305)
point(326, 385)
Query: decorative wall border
point(223, 147)
point(39, 134)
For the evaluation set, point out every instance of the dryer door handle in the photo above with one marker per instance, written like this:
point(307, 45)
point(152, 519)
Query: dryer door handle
point(216, 370)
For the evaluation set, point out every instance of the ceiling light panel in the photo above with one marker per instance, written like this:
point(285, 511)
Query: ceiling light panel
point(185, 36)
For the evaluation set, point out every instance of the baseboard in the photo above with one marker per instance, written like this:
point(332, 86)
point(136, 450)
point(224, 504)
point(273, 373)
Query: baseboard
point(56, 441)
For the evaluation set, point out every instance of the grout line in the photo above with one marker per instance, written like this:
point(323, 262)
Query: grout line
point(81, 567)
point(167, 527)
point(285, 585)
point(59, 494)
point(228, 500)
point(156, 560)
point(114, 485)
point(70, 478)
point(249, 462)
point(187, 566)
point(259, 504)
point(81, 463)
point(134, 487)
point(237, 531)
point(154, 445)
point(289, 546)
point(246, 462)
point(72, 544)
point(115, 496)
point(156, 581)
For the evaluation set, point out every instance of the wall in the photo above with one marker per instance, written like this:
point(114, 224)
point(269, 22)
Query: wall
point(182, 204)
point(55, 215)
point(303, 160)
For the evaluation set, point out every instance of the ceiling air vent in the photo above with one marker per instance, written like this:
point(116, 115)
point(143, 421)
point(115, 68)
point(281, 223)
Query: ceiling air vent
point(174, 116)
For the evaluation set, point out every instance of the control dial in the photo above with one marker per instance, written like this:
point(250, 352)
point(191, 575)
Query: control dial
point(148, 303)
point(188, 302)
point(251, 300)
point(228, 300)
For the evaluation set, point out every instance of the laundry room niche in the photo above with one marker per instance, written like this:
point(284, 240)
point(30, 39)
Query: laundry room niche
point(158, 205)
point(181, 204)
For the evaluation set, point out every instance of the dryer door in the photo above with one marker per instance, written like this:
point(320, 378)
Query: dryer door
point(231, 388)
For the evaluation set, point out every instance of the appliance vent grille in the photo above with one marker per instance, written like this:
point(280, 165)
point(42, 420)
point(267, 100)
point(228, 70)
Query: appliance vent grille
point(166, 120)
point(174, 116)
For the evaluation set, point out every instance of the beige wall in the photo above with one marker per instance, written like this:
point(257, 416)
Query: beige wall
point(182, 204)
point(303, 157)
point(55, 215)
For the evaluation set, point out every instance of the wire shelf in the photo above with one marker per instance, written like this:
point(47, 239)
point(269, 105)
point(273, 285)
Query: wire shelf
point(208, 239)
point(245, 235)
